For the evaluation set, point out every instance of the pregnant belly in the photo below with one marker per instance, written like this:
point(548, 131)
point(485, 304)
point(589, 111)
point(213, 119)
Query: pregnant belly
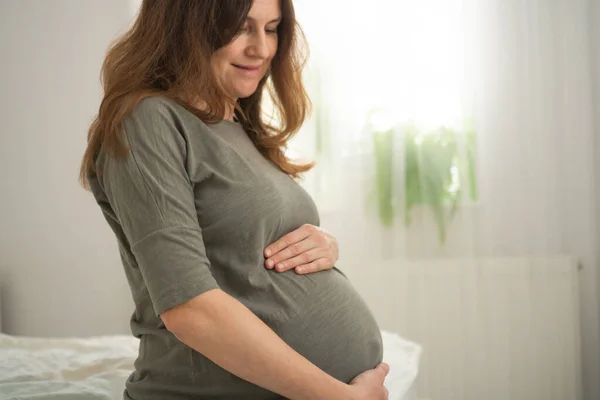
point(333, 327)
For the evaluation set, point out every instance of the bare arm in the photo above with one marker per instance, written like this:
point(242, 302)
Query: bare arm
point(238, 341)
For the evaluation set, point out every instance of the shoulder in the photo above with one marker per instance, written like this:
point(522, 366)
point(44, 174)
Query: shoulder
point(158, 112)
point(162, 122)
point(156, 107)
point(154, 118)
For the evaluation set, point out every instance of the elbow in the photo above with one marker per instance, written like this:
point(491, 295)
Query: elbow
point(174, 319)
point(193, 314)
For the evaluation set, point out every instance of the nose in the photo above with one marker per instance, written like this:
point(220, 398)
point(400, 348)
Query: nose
point(259, 46)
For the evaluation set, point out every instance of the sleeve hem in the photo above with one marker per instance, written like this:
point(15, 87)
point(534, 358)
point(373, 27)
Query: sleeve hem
point(174, 266)
point(169, 303)
point(159, 231)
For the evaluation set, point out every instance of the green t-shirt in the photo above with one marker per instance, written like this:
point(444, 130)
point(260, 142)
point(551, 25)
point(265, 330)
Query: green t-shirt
point(193, 207)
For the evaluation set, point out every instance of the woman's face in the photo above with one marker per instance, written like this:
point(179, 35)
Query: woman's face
point(240, 65)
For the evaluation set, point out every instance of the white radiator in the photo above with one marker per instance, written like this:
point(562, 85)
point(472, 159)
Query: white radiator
point(491, 329)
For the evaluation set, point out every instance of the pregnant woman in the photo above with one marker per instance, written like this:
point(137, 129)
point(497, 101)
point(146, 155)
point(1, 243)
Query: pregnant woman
point(236, 295)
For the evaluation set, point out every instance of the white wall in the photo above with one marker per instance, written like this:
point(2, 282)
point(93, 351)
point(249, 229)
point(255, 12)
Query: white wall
point(59, 268)
point(595, 43)
point(595, 72)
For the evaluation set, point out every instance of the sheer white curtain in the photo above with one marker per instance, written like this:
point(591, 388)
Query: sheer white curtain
point(522, 72)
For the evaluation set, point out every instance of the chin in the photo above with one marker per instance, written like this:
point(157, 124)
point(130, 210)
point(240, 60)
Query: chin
point(244, 92)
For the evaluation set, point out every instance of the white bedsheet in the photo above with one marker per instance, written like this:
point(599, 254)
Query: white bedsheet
point(97, 367)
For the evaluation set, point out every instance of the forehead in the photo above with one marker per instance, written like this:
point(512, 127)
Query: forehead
point(264, 10)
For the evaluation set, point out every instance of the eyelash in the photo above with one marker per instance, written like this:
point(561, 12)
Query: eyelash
point(273, 31)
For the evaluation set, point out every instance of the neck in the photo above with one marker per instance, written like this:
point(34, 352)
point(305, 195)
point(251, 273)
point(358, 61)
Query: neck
point(229, 114)
point(229, 111)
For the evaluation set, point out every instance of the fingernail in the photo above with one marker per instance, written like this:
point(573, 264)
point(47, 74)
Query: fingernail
point(280, 267)
point(270, 263)
point(268, 253)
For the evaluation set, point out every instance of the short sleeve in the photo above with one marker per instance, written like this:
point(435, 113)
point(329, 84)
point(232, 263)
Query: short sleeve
point(151, 194)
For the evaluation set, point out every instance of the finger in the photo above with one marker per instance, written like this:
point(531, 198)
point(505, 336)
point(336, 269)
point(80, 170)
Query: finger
point(385, 368)
point(292, 251)
point(305, 258)
point(293, 237)
point(318, 265)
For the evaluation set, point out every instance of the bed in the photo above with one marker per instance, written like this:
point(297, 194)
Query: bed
point(96, 368)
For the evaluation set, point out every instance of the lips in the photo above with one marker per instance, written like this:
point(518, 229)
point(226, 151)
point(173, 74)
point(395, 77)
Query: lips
point(247, 67)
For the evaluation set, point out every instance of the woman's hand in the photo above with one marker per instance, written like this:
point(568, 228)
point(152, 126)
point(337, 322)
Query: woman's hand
point(369, 384)
point(307, 249)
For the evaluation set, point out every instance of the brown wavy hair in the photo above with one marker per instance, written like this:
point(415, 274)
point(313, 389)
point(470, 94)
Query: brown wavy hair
point(167, 52)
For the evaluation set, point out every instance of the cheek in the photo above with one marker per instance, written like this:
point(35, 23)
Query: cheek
point(217, 66)
point(221, 61)
point(225, 73)
point(273, 48)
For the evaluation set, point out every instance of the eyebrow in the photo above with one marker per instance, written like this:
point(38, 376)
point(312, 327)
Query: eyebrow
point(270, 22)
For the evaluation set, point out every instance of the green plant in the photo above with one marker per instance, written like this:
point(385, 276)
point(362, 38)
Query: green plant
point(321, 114)
point(384, 167)
point(439, 166)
